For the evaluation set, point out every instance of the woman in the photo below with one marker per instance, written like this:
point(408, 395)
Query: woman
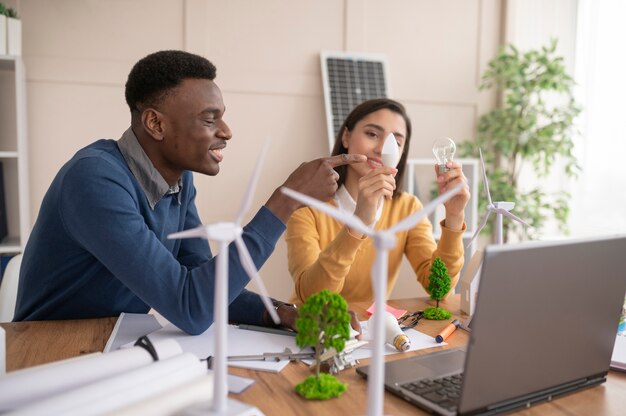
point(325, 254)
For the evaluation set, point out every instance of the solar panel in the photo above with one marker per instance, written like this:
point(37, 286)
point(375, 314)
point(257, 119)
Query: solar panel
point(349, 79)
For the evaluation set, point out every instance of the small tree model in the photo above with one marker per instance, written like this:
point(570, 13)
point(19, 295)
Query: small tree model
point(323, 322)
point(438, 287)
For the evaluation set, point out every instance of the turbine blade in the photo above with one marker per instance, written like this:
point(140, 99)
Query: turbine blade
point(248, 264)
point(198, 232)
point(348, 219)
point(512, 216)
point(413, 219)
point(485, 180)
point(247, 199)
point(479, 229)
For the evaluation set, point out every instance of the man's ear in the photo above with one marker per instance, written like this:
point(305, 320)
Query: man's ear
point(153, 123)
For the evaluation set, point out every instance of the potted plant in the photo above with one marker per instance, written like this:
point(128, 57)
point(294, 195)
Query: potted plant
point(323, 322)
point(14, 33)
point(533, 126)
point(3, 29)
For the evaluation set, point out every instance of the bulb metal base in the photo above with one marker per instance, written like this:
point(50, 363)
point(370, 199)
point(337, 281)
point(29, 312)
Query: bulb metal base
point(402, 342)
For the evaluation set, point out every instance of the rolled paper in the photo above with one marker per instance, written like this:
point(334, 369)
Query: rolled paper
point(3, 353)
point(18, 388)
point(196, 391)
point(120, 390)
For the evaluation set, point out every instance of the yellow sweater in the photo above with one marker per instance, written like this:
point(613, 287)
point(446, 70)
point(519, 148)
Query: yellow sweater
point(322, 254)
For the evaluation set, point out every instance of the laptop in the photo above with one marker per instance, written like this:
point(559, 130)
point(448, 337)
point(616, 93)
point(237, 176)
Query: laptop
point(545, 325)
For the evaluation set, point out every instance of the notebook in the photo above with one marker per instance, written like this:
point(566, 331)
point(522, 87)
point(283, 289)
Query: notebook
point(545, 325)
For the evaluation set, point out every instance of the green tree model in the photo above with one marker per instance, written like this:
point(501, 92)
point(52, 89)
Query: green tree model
point(438, 287)
point(323, 322)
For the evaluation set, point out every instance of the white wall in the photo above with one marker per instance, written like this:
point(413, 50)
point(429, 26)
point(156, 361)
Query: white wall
point(78, 54)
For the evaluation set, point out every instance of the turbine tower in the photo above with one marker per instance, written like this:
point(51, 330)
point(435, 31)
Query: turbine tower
point(225, 233)
point(384, 241)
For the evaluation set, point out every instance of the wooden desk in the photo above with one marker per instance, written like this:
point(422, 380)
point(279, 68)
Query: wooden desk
point(33, 343)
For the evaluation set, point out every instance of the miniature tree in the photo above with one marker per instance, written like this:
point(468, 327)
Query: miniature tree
point(323, 322)
point(438, 287)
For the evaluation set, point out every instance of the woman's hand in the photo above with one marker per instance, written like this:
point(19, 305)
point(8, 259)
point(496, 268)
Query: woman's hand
point(377, 184)
point(455, 206)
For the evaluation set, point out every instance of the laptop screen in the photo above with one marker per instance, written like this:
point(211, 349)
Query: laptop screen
point(546, 318)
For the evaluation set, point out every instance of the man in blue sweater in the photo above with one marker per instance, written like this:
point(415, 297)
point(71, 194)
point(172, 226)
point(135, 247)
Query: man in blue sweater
point(99, 246)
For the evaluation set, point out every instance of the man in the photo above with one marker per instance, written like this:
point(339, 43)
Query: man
point(99, 246)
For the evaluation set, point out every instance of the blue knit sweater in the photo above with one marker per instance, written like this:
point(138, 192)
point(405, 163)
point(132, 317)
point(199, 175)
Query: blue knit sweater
point(98, 249)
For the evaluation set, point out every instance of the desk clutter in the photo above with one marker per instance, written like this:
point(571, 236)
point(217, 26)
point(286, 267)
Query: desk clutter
point(163, 373)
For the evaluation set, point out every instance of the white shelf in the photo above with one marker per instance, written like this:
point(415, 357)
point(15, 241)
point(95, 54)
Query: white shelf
point(14, 153)
point(10, 245)
point(420, 178)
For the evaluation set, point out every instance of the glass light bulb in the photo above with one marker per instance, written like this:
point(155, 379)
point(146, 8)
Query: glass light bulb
point(443, 149)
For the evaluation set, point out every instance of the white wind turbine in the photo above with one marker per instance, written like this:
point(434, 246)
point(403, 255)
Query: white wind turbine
point(384, 240)
point(225, 233)
point(500, 208)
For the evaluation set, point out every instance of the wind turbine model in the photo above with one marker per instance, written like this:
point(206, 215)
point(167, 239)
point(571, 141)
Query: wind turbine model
point(470, 278)
point(384, 240)
point(501, 208)
point(224, 233)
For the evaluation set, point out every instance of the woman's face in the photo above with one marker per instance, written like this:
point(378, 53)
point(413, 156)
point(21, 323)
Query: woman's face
point(368, 136)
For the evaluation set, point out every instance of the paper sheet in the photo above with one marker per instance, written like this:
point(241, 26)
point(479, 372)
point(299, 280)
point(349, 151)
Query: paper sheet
point(129, 327)
point(395, 312)
point(618, 360)
point(240, 342)
point(419, 341)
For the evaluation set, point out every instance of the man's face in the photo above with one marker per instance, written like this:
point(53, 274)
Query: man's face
point(195, 132)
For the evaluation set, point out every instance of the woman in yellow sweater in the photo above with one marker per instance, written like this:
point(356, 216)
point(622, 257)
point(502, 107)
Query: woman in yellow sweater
point(325, 254)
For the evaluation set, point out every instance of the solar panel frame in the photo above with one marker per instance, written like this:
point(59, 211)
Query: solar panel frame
point(349, 78)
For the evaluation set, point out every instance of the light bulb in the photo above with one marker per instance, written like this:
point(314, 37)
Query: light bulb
point(393, 333)
point(390, 153)
point(443, 149)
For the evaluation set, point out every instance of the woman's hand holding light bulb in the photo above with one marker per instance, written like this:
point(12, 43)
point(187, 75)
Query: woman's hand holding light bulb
point(449, 174)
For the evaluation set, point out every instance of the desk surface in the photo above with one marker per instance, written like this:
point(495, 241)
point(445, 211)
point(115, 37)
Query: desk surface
point(33, 343)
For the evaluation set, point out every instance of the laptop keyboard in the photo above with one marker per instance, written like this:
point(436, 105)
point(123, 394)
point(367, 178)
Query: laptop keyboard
point(444, 391)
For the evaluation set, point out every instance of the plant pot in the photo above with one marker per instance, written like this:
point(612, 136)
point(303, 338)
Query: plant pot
point(14, 36)
point(3, 34)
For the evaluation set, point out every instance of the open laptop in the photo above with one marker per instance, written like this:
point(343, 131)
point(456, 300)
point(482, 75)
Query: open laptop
point(545, 325)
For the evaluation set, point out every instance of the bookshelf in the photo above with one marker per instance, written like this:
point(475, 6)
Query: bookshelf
point(13, 155)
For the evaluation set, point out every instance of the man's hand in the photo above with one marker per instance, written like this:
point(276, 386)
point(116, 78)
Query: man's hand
point(288, 315)
point(317, 179)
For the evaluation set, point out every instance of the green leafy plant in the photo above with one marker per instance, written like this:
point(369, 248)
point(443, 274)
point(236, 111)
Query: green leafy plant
point(533, 125)
point(7, 11)
point(438, 287)
point(323, 322)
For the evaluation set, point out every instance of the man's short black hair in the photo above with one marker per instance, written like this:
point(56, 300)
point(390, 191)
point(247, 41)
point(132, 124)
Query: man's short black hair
point(153, 76)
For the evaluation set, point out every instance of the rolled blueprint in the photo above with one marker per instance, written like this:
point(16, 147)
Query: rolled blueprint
point(174, 401)
point(120, 390)
point(18, 388)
